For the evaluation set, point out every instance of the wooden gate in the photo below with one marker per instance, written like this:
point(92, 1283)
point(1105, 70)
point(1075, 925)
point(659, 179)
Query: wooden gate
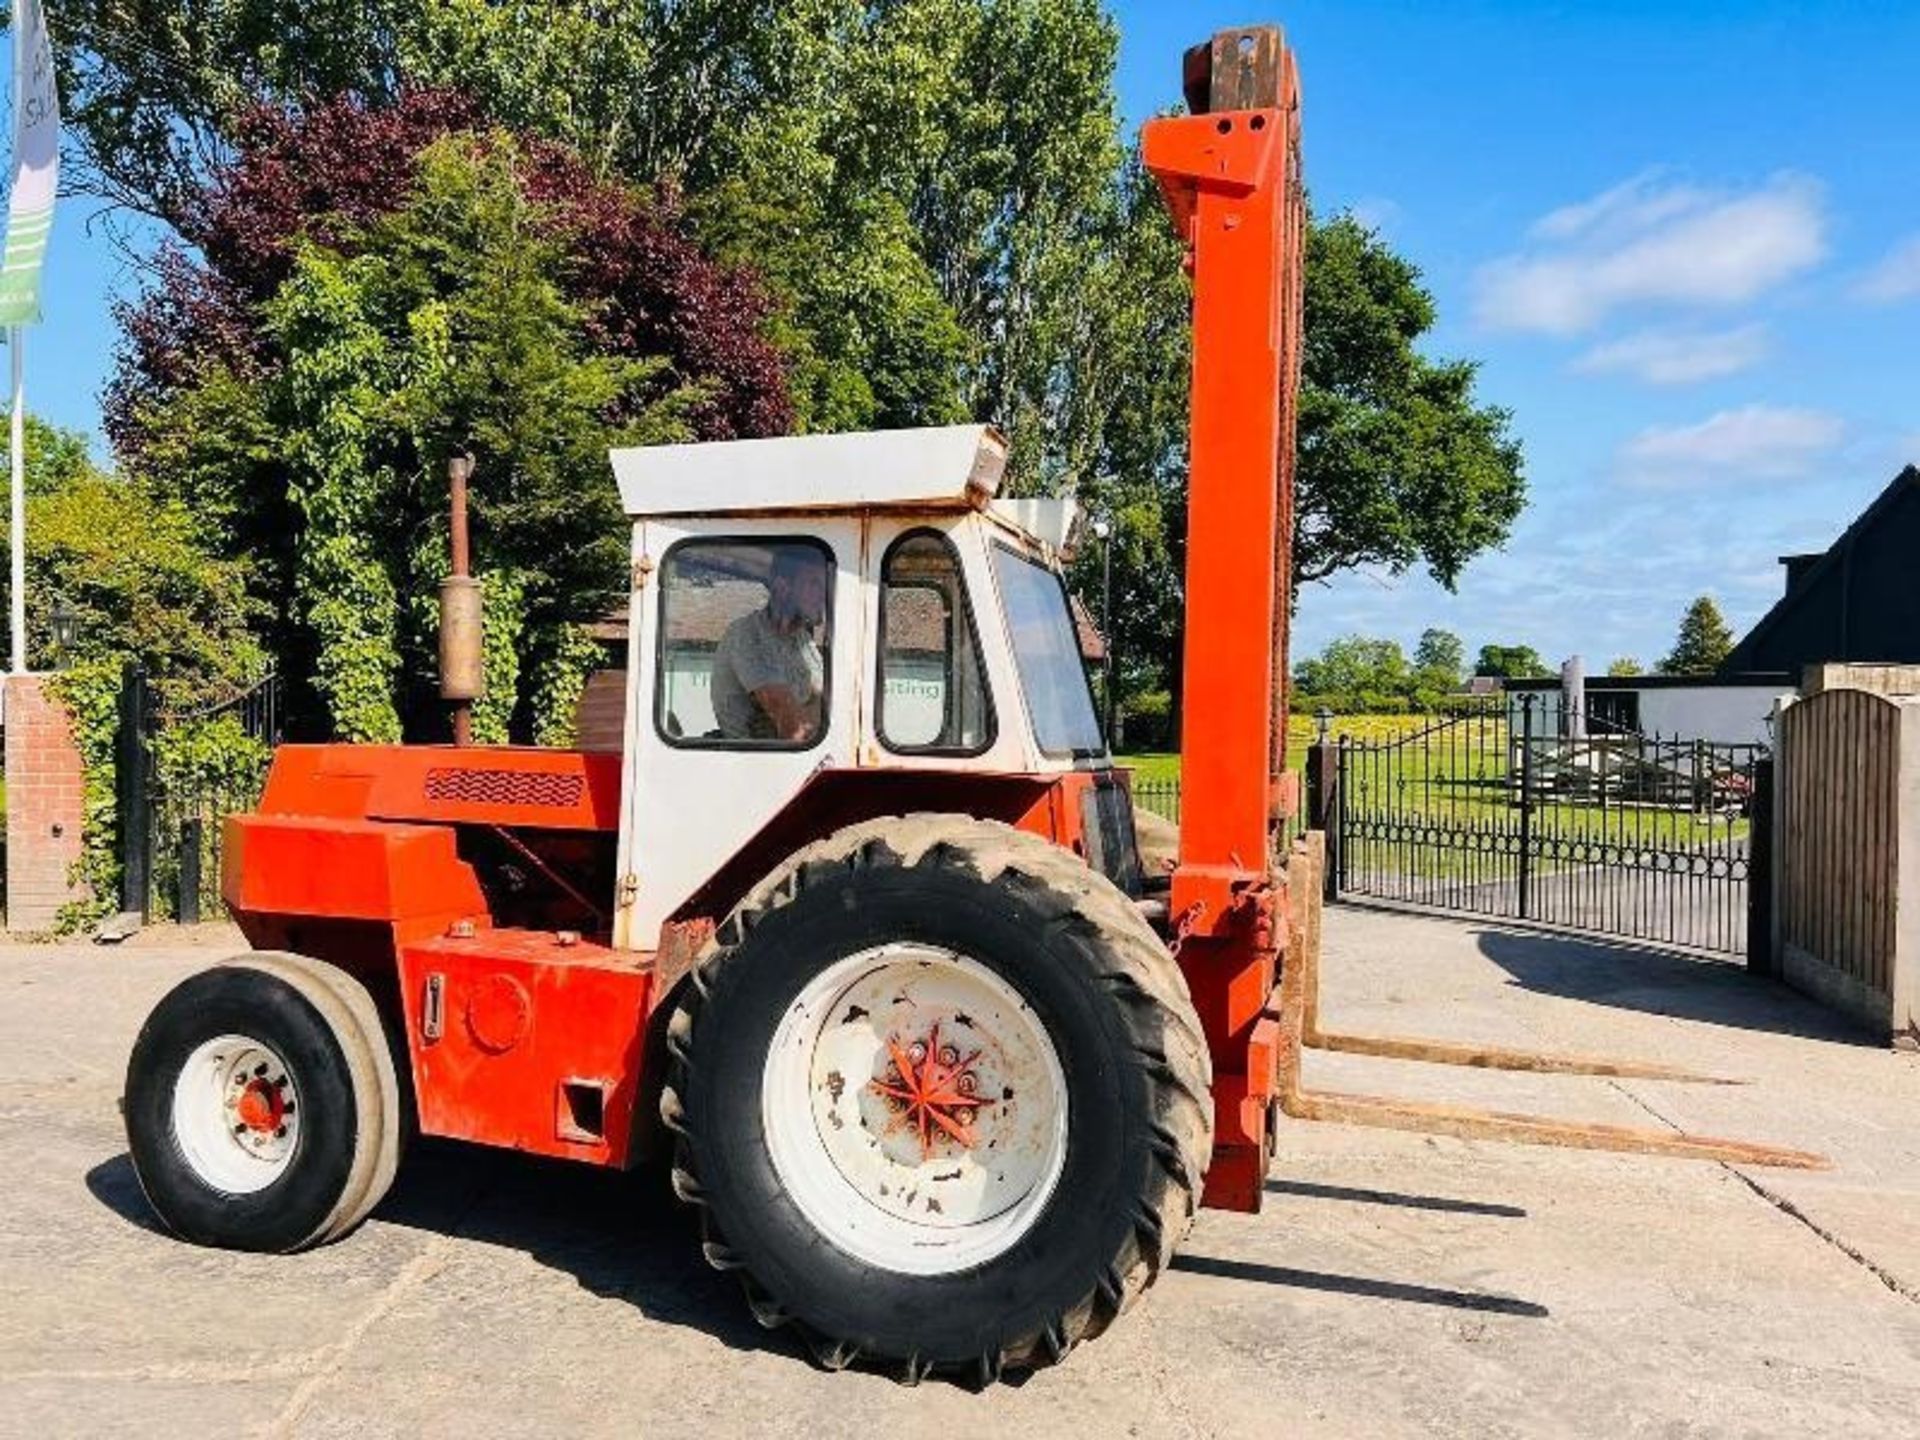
point(1848, 792)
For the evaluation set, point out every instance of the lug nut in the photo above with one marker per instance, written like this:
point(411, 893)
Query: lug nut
point(964, 1115)
point(917, 1052)
point(968, 1084)
point(949, 1055)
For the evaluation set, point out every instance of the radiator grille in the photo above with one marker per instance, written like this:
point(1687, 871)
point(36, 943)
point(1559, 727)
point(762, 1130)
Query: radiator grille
point(505, 787)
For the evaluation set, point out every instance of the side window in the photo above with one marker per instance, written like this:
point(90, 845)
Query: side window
point(933, 694)
point(745, 638)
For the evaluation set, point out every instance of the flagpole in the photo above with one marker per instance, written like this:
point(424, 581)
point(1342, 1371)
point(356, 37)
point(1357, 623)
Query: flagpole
point(17, 442)
point(18, 529)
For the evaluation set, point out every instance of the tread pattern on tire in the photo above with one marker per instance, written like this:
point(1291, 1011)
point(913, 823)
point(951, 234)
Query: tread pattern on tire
point(362, 1197)
point(1139, 974)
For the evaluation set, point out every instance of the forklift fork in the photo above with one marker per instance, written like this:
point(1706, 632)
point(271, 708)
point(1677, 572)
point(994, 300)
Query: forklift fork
point(1300, 1029)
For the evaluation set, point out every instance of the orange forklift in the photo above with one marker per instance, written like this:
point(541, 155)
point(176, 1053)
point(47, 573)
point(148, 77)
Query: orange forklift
point(854, 932)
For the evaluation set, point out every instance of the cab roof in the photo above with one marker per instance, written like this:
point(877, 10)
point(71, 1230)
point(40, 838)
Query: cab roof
point(949, 467)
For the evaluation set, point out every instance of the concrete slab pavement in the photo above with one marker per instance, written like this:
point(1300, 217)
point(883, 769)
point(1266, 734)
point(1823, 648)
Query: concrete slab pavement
point(1395, 1284)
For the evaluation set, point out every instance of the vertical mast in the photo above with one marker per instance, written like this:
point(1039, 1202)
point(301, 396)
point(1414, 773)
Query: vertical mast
point(1230, 175)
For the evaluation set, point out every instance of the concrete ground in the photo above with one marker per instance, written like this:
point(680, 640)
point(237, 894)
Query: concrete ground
point(1395, 1284)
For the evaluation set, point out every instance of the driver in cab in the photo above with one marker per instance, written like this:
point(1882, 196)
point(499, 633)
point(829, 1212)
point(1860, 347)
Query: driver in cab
point(767, 671)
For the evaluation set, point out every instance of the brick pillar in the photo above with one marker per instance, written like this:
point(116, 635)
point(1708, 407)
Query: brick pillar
point(44, 804)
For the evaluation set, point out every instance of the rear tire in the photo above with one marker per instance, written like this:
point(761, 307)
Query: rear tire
point(255, 1109)
point(367, 1036)
point(1058, 1184)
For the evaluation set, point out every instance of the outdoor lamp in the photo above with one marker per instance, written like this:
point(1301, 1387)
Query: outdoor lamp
point(1323, 717)
point(66, 626)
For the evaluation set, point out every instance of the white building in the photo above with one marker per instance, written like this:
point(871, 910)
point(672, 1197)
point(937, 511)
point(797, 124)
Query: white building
point(1724, 709)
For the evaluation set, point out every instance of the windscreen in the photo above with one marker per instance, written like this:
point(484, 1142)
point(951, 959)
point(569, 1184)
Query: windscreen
point(1048, 654)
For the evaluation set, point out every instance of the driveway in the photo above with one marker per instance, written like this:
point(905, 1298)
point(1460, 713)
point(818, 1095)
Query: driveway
point(1394, 1284)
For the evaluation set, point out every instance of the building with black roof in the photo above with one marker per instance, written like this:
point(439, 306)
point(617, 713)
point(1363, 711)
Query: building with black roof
point(1859, 600)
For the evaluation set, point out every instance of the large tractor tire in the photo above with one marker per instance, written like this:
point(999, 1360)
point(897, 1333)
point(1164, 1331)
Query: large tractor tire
point(941, 1096)
point(262, 1105)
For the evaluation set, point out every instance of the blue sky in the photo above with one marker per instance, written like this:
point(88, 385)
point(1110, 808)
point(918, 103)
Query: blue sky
point(1683, 240)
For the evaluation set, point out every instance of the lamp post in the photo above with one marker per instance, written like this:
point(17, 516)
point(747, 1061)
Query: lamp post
point(1103, 527)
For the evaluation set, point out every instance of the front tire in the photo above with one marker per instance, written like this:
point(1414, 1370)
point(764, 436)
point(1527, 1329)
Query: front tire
point(942, 1098)
point(257, 1114)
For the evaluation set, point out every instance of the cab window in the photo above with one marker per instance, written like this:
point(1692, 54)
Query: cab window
point(745, 640)
point(933, 696)
point(1046, 650)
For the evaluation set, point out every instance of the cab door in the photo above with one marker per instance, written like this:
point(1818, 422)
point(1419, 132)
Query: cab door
point(722, 610)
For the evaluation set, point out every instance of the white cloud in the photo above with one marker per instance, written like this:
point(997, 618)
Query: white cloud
point(1678, 357)
point(1376, 212)
point(1896, 277)
point(1756, 441)
point(1632, 205)
point(1649, 242)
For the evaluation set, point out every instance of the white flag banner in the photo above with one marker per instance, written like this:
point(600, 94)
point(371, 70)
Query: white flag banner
point(36, 170)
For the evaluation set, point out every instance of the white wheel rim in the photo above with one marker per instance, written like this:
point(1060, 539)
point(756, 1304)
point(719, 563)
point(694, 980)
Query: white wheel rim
point(851, 1156)
point(236, 1114)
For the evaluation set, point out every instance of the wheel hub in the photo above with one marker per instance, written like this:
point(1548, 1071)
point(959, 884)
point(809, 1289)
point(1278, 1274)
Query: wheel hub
point(261, 1105)
point(915, 1108)
point(933, 1088)
point(236, 1113)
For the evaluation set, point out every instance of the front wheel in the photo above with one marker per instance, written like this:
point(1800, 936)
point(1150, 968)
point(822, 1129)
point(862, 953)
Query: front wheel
point(942, 1096)
point(259, 1111)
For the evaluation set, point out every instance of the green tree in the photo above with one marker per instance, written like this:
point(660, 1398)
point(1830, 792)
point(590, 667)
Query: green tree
point(1398, 462)
point(925, 183)
point(1624, 667)
point(134, 568)
point(440, 325)
point(1438, 660)
point(1703, 642)
point(1510, 662)
point(1356, 665)
point(1129, 415)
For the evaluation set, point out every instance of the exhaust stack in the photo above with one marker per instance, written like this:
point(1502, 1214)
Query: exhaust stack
point(462, 663)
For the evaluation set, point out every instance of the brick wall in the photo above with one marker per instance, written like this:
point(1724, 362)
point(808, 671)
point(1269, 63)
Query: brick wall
point(44, 805)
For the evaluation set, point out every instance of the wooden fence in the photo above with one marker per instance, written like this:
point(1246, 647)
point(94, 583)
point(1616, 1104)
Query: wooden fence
point(1846, 855)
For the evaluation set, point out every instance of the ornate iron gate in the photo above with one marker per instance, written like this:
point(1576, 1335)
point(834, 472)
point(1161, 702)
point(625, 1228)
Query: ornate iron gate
point(177, 777)
point(1498, 811)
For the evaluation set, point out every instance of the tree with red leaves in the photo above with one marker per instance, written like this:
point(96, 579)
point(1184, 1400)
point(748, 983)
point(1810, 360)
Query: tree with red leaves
point(317, 175)
point(375, 287)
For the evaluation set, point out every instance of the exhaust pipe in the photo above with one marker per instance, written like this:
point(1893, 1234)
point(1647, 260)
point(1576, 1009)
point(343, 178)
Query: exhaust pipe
point(462, 661)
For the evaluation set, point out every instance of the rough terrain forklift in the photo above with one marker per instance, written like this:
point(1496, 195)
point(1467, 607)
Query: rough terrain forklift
point(854, 931)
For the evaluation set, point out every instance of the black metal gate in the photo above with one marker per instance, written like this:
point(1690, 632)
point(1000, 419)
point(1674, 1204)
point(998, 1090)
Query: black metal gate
point(177, 777)
point(1505, 811)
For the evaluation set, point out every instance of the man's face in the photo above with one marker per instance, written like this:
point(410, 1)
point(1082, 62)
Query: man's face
point(800, 596)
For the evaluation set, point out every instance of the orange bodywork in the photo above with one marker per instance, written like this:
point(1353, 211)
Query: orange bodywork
point(536, 1039)
point(1232, 185)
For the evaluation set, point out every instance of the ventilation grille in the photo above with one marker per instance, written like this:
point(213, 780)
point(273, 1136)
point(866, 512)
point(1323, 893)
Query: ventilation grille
point(505, 787)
